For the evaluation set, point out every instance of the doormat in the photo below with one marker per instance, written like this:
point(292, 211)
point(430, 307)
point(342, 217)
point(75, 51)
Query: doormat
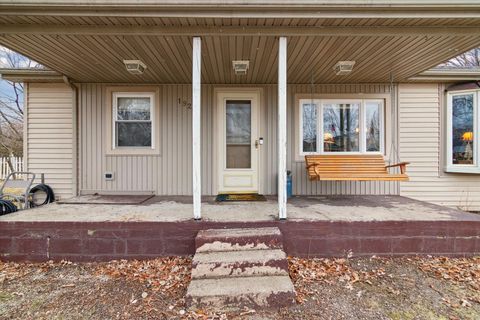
point(240, 197)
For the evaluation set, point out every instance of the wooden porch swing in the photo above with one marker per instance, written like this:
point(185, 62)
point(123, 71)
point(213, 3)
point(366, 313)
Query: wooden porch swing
point(353, 168)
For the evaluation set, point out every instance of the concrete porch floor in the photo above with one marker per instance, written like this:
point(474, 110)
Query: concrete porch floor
point(304, 208)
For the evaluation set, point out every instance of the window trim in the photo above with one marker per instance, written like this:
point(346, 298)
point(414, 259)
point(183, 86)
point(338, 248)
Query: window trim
point(361, 99)
point(462, 168)
point(116, 96)
point(109, 131)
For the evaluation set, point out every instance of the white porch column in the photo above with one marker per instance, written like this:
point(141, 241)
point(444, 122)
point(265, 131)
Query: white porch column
point(196, 132)
point(282, 128)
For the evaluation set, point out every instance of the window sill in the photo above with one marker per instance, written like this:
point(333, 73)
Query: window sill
point(133, 152)
point(301, 157)
point(462, 169)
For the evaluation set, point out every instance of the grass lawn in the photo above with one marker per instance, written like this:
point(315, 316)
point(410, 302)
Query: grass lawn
point(363, 288)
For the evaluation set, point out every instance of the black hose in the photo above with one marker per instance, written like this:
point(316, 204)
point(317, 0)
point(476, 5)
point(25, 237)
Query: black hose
point(49, 195)
point(6, 207)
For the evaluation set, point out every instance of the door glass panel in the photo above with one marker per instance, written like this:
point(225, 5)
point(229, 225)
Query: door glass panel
point(462, 129)
point(341, 131)
point(238, 134)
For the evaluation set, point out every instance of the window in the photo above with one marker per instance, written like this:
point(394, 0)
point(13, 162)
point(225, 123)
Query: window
point(462, 124)
point(133, 115)
point(341, 127)
point(373, 125)
point(346, 126)
point(309, 127)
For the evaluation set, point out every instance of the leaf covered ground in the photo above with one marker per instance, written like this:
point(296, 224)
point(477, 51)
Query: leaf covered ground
point(360, 288)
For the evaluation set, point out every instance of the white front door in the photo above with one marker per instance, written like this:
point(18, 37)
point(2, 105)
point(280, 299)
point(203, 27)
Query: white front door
point(238, 141)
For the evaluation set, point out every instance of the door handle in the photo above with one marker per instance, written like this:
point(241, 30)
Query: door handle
point(258, 142)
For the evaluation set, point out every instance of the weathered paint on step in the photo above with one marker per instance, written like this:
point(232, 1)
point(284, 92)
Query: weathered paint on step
point(238, 292)
point(238, 239)
point(239, 264)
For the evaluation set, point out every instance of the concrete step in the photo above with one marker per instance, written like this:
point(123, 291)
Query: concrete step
point(239, 292)
point(243, 263)
point(214, 240)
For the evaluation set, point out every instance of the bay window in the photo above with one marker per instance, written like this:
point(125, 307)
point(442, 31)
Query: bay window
point(462, 128)
point(345, 126)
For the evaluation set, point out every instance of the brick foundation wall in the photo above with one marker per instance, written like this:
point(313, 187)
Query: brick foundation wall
point(102, 241)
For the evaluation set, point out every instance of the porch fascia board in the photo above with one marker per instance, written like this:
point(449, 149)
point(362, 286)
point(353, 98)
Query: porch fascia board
point(448, 75)
point(239, 31)
point(30, 75)
point(248, 8)
point(244, 3)
point(294, 14)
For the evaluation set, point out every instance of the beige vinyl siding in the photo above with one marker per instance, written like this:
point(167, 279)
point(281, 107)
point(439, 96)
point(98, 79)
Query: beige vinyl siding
point(169, 173)
point(421, 116)
point(49, 135)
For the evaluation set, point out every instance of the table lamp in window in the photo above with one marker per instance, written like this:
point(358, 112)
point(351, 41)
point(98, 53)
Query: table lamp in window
point(468, 138)
point(328, 140)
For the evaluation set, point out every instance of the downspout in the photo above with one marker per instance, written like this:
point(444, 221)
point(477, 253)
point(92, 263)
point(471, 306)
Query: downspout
point(75, 147)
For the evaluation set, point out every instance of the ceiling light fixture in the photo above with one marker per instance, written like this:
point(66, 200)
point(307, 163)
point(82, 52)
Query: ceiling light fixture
point(135, 66)
point(342, 68)
point(240, 66)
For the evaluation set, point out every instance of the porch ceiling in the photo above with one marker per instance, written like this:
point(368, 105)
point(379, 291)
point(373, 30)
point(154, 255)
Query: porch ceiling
point(91, 48)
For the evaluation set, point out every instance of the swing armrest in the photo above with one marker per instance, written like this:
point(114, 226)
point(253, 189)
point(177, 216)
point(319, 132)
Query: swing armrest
point(402, 165)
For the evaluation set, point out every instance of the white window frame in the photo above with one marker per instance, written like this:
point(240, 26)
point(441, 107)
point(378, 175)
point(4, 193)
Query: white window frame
point(463, 168)
point(362, 125)
point(116, 96)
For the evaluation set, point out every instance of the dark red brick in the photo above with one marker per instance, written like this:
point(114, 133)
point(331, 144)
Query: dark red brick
point(145, 246)
point(407, 245)
point(106, 234)
point(99, 246)
point(185, 229)
point(465, 244)
point(31, 246)
point(145, 233)
point(60, 246)
point(467, 230)
point(438, 245)
point(120, 247)
point(301, 246)
point(376, 245)
point(179, 246)
point(5, 245)
point(341, 247)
